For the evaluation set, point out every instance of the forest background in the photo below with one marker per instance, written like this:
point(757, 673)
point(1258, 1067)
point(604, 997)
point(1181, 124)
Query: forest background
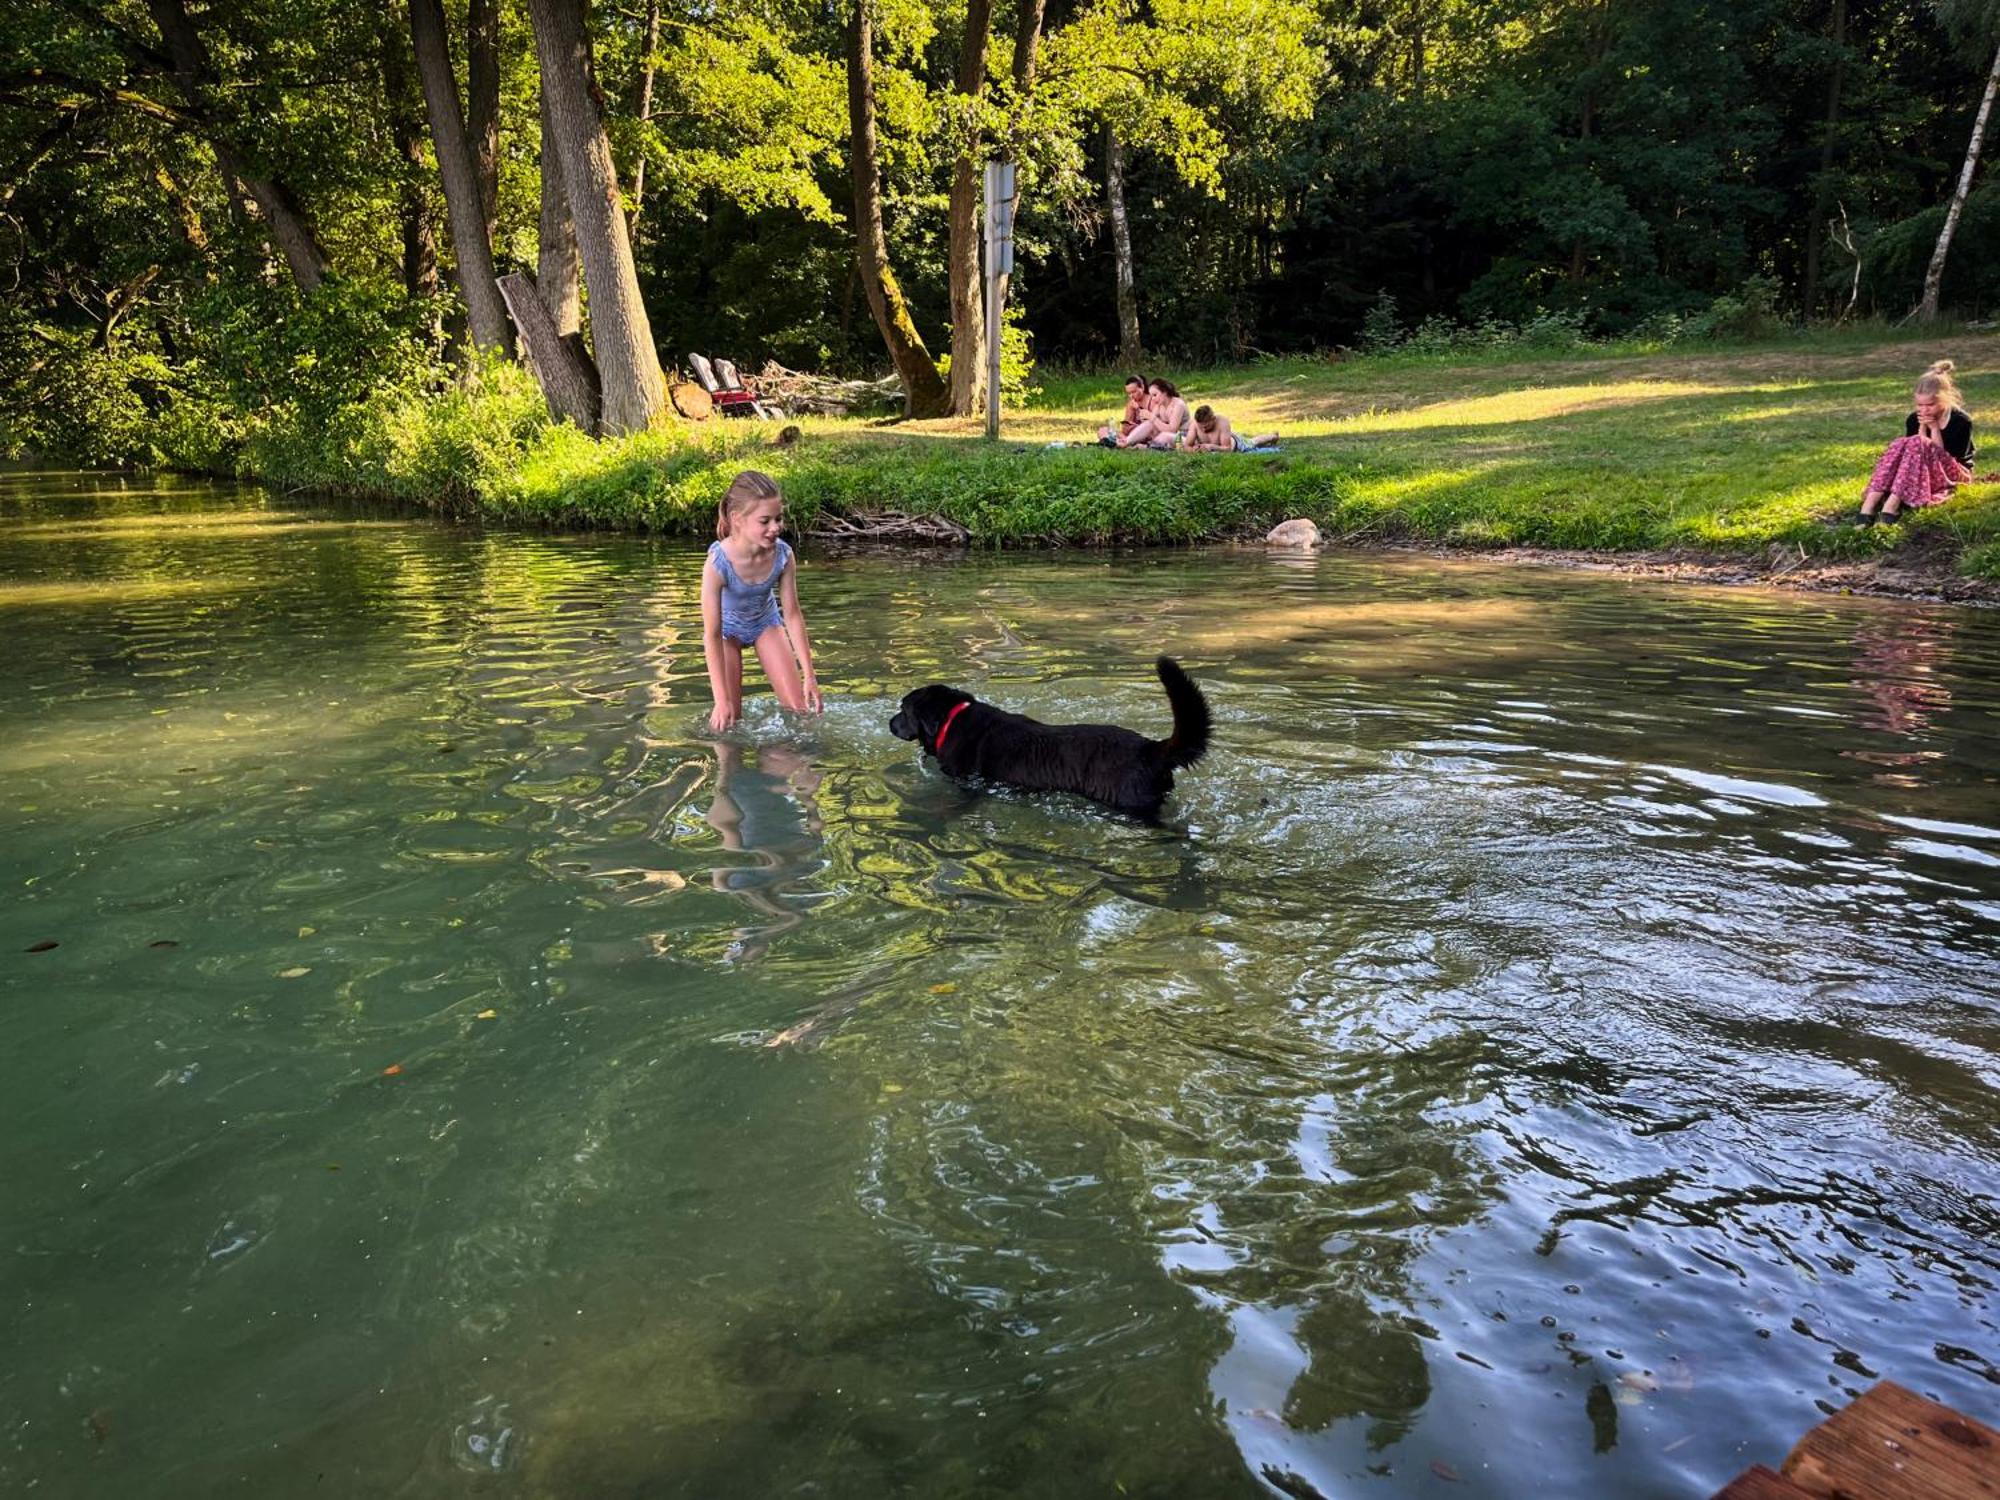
point(253, 235)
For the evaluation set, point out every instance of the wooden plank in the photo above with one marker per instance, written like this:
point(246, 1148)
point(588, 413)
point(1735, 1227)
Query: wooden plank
point(1893, 1444)
point(1760, 1483)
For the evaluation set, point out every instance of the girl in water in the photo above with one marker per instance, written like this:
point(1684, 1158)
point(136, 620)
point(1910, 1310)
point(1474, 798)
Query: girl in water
point(1933, 456)
point(750, 597)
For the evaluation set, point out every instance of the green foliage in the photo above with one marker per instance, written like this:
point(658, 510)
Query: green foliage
point(1749, 312)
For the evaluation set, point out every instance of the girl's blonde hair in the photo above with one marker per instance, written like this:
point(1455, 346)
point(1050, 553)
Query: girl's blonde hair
point(1937, 381)
point(751, 487)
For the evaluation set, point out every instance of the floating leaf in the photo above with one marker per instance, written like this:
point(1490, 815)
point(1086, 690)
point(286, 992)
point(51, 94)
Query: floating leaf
point(392, 1070)
point(295, 972)
point(307, 931)
point(486, 1015)
point(944, 989)
point(1444, 1470)
point(163, 943)
point(43, 946)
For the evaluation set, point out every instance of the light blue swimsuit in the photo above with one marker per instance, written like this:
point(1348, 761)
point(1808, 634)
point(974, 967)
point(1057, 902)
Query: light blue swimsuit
point(749, 609)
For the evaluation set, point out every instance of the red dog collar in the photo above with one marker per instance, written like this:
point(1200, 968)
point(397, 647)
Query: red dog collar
point(944, 729)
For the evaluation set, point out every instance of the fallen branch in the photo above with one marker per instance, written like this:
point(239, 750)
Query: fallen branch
point(802, 394)
point(887, 526)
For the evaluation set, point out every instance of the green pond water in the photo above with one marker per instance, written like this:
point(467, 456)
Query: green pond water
point(1552, 1051)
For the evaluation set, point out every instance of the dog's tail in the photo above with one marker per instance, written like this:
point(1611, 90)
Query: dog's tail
point(1189, 741)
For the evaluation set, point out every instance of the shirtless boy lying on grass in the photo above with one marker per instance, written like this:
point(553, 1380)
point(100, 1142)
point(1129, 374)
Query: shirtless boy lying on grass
point(1211, 433)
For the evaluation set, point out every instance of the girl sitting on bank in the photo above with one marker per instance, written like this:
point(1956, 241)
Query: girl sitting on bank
point(1931, 459)
point(1136, 412)
point(1166, 419)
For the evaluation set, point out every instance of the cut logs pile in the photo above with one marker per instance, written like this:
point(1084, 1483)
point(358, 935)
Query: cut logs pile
point(823, 395)
point(888, 526)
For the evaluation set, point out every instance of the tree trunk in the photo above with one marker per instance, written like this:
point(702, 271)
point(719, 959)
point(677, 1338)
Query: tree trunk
point(1027, 37)
point(645, 113)
point(559, 273)
point(1121, 248)
point(558, 360)
point(968, 310)
point(419, 241)
point(635, 393)
point(290, 230)
point(482, 106)
point(472, 252)
point(924, 393)
point(1934, 277)
point(1816, 230)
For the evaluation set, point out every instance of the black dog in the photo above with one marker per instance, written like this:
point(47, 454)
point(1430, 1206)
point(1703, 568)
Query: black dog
point(1101, 761)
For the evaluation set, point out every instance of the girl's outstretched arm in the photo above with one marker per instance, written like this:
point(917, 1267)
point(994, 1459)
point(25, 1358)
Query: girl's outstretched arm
point(795, 632)
point(724, 683)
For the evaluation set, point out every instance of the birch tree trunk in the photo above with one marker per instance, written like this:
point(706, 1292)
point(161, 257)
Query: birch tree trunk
point(285, 219)
point(1934, 277)
point(968, 313)
point(635, 392)
point(924, 393)
point(1121, 249)
point(472, 251)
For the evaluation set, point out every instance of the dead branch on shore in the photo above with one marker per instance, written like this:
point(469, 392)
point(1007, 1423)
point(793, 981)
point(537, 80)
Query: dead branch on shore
point(889, 526)
point(802, 394)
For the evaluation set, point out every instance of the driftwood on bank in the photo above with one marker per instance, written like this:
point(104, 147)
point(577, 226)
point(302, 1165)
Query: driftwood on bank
point(558, 361)
point(889, 526)
point(801, 394)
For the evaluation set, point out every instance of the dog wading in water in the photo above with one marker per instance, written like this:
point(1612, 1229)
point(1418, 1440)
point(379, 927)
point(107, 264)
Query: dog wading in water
point(1108, 764)
point(750, 597)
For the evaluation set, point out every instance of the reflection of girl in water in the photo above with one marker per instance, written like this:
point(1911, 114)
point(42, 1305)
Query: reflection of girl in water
point(769, 812)
point(1899, 664)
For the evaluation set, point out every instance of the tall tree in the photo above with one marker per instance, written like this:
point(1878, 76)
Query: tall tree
point(924, 392)
point(482, 105)
point(1817, 226)
point(1129, 348)
point(1927, 305)
point(644, 113)
point(635, 392)
point(472, 250)
point(285, 218)
point(558, 269)
point(968, 323)
point(420, 272)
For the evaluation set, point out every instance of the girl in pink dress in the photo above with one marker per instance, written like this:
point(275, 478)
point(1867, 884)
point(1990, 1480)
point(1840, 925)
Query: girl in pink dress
point(1930, 460)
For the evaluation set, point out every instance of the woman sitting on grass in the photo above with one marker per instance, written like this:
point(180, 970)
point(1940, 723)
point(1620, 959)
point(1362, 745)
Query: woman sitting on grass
point(1933, 456)
point(1135, 412)
point(1166, 417)
point(1211, 433)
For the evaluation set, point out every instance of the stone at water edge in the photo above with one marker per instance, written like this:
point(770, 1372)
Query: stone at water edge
point(1298, 532)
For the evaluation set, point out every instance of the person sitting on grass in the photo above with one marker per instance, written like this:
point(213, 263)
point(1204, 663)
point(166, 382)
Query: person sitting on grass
point(1930, 460)
point(1135, 412)
point(1166, 419)
point(1211, 433)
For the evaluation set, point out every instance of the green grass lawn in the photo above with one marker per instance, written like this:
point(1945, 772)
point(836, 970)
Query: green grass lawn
point(1728, 448)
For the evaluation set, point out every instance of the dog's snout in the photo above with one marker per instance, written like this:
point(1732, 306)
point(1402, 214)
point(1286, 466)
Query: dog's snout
point(899, 726)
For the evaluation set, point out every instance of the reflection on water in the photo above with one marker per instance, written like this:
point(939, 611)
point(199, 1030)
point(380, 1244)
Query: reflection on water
point(1554, 1049)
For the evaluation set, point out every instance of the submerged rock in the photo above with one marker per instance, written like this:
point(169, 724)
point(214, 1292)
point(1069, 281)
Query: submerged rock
point(1297, 532)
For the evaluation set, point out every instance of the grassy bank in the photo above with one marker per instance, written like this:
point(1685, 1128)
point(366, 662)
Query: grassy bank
point(1729, 449)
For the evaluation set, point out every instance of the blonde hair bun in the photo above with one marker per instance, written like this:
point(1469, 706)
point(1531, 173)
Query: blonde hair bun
point(1943, 367)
